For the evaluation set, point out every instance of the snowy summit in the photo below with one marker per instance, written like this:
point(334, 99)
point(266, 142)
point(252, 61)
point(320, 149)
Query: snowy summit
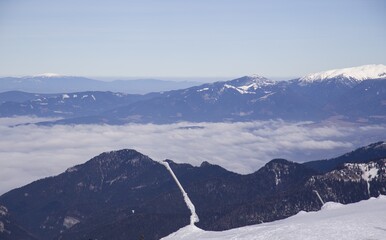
point(356, 74)
point(249, 83)
point(48, 75)
point(258, 80)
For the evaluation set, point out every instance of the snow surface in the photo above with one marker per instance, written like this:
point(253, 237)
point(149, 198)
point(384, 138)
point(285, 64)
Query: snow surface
point(370, 171)
point(3, 211)
point(2, 228)
point(69, 222)
point(355, 73)
point(241, 89)
point(266, 96)
point(193, 216)
point(247, 84)
point(72, 169)
point(256, 81)
point(48, 75)
point(356, 221)
point(203, 89)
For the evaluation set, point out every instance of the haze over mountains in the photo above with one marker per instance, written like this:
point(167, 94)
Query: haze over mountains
point(351, 94)
point(55, 83)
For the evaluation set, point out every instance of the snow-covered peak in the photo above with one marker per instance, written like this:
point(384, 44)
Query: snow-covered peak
point(257, 79)
point(255, 76)
point(355, 74)
point(48, 75)
point(249, 83)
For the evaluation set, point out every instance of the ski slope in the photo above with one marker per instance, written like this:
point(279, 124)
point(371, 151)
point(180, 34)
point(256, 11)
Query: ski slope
point(189, 204)
point(357, 221)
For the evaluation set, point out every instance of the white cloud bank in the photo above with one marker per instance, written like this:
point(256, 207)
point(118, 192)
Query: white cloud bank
point(31, 152)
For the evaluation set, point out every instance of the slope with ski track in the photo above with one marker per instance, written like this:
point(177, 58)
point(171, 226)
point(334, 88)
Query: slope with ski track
point(193, 217)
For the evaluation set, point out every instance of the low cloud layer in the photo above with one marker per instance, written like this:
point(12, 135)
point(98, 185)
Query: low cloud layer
point(32, 152)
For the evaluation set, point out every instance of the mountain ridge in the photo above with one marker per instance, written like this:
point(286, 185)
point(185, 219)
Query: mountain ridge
point(372, 151)
point(249, 98)
point(55, 84)
point(124, 194)
point(355, 74)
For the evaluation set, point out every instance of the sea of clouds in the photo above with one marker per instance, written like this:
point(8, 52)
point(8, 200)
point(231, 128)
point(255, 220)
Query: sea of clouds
point(31, 152)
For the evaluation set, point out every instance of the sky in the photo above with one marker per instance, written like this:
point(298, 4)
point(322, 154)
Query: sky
point(32, 152)
point(189, 39)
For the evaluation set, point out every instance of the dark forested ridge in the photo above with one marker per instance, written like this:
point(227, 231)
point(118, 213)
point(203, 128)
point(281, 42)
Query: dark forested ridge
point(126, 195)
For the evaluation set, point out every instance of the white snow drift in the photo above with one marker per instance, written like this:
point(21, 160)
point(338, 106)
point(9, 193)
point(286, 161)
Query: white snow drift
point(357, 221)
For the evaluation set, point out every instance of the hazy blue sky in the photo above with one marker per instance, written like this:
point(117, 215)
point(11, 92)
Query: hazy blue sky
point(177, 38)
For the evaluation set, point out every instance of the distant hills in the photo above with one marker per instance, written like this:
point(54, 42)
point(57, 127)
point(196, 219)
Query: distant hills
point(126, 195)
point(76, 104)
point(53, 83)
point(351, 95)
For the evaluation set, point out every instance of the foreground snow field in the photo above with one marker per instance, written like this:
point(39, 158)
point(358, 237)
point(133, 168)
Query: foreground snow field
point(362, 220)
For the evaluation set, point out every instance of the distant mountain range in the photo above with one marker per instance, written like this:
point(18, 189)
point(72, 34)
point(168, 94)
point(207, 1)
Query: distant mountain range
point(353, 94)
point(53, 83)
point(72, 105)
point(126, 195)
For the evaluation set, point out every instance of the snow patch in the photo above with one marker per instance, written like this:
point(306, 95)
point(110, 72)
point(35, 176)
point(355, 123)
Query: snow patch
point(3, 210)
point(2, 228)
point(116, 179)
point(277, 178)
point(256, 81)
point(203, 89)
point(48, 75)
point(369, 172)
point(266, 96)
point(69, 222)
point(71, 169)
point(331, 206)
point(239, 89)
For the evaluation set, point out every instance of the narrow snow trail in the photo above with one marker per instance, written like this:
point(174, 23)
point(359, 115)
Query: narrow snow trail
point(369, 172)
point(189, 204)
